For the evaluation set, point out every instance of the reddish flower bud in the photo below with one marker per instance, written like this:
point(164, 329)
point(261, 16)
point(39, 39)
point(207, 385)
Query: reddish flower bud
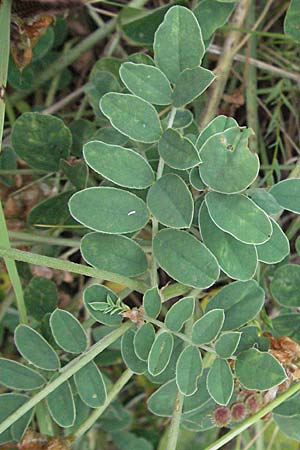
point(238, 411)
point(221, 416)
point(253, 403)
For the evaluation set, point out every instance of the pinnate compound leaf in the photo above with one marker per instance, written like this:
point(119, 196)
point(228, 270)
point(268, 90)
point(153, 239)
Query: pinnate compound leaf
point(239, 216)
point(237, 259)
point(143, 340)
point(179, 313)
point(132, 361)
point(178, 43)
point(241, 302)
point(185, 258)
point(227, 343)
point(147, 82)
point(61, 405)
point(287, 194)
point(217, 125)
point(132, 116)
point(40, 297)
point(9, 403)
point(35, 349)
point(171, 202)
point(114, 253)
point(178, 152)
point(160, 353)
point(90, 385)
point(120, 165)
point(97, 293)
point(188, 370)
point(41, 140)
point(276, 248)
point(285, 285)
point(152, 302)
point(207, 328)
point(190, 84)
point(228, 166)
point(258, 370)
point(109, 210)
point(17, 376)
point(220, 382)
point(68, 331)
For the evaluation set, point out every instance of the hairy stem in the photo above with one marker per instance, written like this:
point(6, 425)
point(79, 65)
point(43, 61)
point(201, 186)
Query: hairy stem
point(55, 263)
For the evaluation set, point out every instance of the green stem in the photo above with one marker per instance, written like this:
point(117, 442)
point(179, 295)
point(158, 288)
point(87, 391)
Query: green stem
point(55, 263)
point(255, 418)
point(89, 422)
point(67, 372)
point(5, 10)
point(43, 239)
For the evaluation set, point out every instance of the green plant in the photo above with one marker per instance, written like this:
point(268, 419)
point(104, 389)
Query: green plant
point(171, 199)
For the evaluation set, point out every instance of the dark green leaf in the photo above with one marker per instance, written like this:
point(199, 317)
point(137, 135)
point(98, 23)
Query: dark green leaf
point(227, 343)
point(41, 297)
point(236, 259)
point(188, 370)
point(17, 376)
point(241, 302)
point(171, 202)
point(179, 313)
point(109, 210)
point(211, 15)
point(190, 84)
point(287, 194)
point(258, 370)
point(52, 211)
point(207, 328)
point(99, 293)
point(143, 340)
point(68, 331)
point(177, 151)
point(9, 403)
point(129, 356)
point(239, 216)
point(185, 258)
point(77, 173)
point(41, 140)
point(114, 253)
point(147, 82)
point(120, 165)
point(152, 302)
point(61, 405)
point(35, 348)
point(90, 385)
point(178, 43)
point(132, 116)
point(220, 381)
point(160, 353)
point(285, 285)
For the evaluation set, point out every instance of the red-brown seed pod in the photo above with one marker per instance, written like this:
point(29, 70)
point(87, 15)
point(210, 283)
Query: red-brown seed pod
point(253, 403)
